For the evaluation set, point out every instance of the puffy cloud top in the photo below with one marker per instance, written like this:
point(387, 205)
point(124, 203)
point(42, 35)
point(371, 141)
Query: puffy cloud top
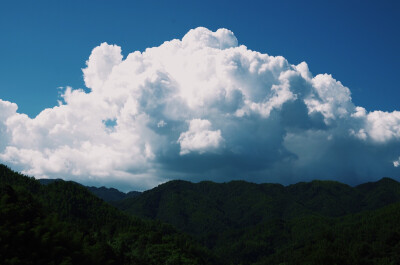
point(100, 64)
point(199, 138)
point(201, 108)
point(200, 38)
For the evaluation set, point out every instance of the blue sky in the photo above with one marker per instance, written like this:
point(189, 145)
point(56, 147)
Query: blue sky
point(201, 106)
point(46, 43)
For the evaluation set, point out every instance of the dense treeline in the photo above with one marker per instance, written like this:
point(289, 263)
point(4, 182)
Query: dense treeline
point(63, 223)
point(320, 222)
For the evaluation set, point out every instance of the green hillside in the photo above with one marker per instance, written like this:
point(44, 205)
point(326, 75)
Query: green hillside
point(304, 223)
point(63, 223)
point(318, 222)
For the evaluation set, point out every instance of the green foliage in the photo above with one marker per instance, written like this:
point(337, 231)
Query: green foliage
point(29, 236)
point(320, 222)
point(365, 238)
point(63, 223)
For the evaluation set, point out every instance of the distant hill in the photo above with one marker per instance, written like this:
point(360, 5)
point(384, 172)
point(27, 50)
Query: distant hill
point(240, 203)
point(48, 181)
point(267, 223)
point(106, 194)
point(111, 194)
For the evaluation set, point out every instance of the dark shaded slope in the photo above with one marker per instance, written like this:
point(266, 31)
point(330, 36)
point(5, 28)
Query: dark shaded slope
point(319, 222)
point(370, 237)
point(327, 198)
point(111, 194)
point(63, 223)
point(247, 223)
point(32, 233)
point(106, 194)
point(191, 207)
point(208, 208)
point(379, 194)
point(239, 203)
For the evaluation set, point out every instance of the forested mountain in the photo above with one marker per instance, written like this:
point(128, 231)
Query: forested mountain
point(111, 194)
point(106, 194)
point(63, 223)
point(304, 223)
point(319, 222)
point(207, 205)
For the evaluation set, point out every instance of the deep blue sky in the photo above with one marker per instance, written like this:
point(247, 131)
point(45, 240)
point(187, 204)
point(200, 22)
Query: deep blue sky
point(44, 44)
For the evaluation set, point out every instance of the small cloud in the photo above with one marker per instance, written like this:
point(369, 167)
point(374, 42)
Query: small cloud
point(161, 124)
point(199, 138)
point(396, 163)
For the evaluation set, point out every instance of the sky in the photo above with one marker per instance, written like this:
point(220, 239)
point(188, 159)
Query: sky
point(130, 94)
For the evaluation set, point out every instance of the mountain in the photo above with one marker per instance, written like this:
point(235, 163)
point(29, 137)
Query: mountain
point(63, 223)
point(251, 223)
point(111, 194)
point(380, 193)
point(106, 194)
point(239, 203)
point(214, 207)
point(179, 222)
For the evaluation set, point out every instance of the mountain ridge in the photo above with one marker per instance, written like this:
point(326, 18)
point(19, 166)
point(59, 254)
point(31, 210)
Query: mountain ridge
point(179, 222)
point(217, 213)
point(64, 223)
point(104, 193)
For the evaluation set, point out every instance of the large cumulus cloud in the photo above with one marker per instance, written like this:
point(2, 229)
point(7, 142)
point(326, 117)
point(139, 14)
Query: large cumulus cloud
point(202, 107)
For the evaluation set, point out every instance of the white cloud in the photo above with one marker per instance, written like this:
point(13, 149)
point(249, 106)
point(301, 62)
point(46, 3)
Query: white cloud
point(330, 98)
point(201, 37)
point(199, 138)
point(161, 123)
point(7, 110)
point(200, 106)
point(100, 64)
point(396, 163)
point(383, 126)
